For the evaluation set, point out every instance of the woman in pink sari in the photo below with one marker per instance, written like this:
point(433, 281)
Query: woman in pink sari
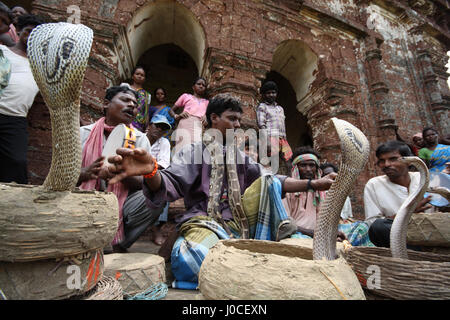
point(192, 118)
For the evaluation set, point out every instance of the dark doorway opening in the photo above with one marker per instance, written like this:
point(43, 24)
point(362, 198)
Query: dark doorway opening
point(170, 67)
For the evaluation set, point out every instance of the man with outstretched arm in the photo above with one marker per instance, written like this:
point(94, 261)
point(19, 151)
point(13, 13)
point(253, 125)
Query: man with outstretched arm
point(211, 194)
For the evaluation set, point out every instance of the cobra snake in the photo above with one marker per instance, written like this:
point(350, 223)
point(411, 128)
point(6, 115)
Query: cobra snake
point(399, 228)
point(58, 54)
point(355, 153)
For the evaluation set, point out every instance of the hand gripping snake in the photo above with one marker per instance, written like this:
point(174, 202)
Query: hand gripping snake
point(58, 55)
point(355, 153)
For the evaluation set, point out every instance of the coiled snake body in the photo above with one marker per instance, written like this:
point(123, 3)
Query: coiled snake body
point(58, 55)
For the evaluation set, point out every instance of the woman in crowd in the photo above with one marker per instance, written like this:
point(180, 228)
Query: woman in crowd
point(192, 118)
point(434, 153)
point(144, 112)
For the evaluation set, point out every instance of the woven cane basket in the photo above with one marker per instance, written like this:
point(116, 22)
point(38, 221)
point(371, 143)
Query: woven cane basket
point(36, 224)
point(107, 288)
point(424, 276)
point(135, 272)
point(429, 229)
point(51, 279)
point(268, 270)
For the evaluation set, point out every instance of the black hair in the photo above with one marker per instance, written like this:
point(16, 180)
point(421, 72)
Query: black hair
point(268, 85)
point(4, 8)
point(154, 92)
point(138, 67)
point(28, 20)
point(303, 150)
point(113, 91)
point(428, 129)
point(325, 165)
point(394, 145)
point(220, 103)
point(12, 8)
point(200, 78)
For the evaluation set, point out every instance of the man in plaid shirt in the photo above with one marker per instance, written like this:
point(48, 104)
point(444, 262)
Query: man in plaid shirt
point(270, 116)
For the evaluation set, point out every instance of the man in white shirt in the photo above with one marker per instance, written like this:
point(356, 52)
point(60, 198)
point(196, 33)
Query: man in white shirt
point(384, 195)
point(160, 150)
point(15, 101)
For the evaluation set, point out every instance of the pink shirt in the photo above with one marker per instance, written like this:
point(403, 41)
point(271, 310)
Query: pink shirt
point(192, 105)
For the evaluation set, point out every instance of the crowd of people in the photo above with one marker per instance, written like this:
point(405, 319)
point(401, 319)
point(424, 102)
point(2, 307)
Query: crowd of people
point(159, 164)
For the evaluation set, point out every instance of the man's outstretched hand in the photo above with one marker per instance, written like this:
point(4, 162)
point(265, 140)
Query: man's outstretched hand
point(129, 162)
point(324, 183)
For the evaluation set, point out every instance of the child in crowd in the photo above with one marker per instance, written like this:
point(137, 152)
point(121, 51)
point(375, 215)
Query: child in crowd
point(162, 108)
point(144, 113)
point(192, 118)
point(270, 116)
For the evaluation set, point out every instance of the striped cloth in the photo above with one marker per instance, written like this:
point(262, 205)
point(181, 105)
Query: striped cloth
point(264, 210)
point(282, 146)
point(357, 233)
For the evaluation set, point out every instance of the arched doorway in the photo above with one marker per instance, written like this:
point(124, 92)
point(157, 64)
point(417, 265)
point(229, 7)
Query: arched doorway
point(170, 67)
point(169, 42)
point(294, 66)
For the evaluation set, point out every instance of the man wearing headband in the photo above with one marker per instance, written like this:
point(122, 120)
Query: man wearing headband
point(303, 207)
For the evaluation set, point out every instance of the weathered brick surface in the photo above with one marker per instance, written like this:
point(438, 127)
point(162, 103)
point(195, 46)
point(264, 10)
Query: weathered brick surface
point(380, 66)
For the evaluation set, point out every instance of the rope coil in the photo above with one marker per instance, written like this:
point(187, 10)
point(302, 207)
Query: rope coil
point(155, 292)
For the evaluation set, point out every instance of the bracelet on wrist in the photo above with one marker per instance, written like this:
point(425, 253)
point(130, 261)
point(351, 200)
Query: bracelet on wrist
point(152, 174)
point(309, 186)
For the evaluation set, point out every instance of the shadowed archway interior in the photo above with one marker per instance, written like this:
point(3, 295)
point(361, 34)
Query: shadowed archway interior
point(170, 67)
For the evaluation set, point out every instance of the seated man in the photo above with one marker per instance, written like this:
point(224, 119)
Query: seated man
point(303, 207)
point(384, 195)
point(212, 187)
point(160, 149)
point(134, 216)
point(356, 232)
point(159, 125)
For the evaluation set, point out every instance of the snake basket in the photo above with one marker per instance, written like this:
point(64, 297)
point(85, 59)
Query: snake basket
point(429, 229)
point(107, 288)
point(51, 279)
point(424, 276)
point(135, 272)
point(267, 270)
point(37, 224)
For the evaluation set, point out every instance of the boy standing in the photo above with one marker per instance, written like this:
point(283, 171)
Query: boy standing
point(270, 116)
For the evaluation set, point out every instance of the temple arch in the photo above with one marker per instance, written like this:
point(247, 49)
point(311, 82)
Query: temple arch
point(161, 23)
